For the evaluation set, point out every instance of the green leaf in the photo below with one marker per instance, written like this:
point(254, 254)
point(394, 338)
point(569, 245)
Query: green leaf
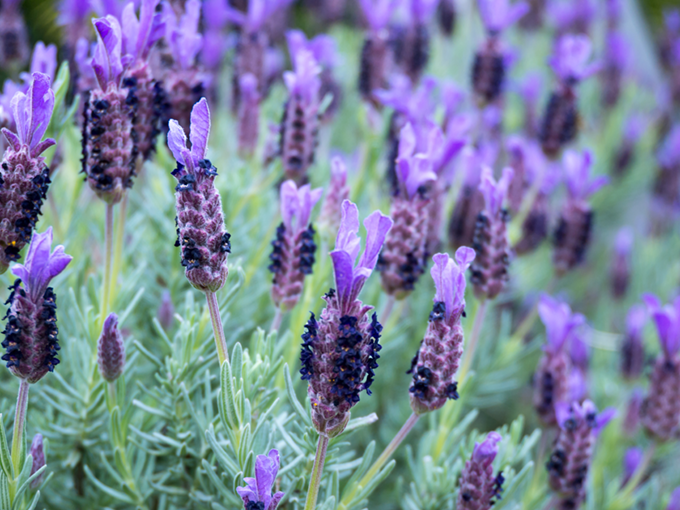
point(361, 470)
point(377, 480)
point(516, 481)
point(34, 503)
point(299, 410)
point(24, 486)
point(223, 458)
point(121, 496)
point(5, 502)
point(5, 456)
point(237, 361)
point(227, 397)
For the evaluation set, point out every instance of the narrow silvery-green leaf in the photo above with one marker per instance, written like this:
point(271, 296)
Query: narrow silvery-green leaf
point(293, 399)
point(121, 496)
point(5, 456)
point(228, 409)
point(5, 501)
point(236, 361)
point(377, 480)
point(23, 487)
point(225, 461)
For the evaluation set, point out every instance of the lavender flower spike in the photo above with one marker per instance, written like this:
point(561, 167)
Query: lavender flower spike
point(631, 462)
point(200, 224)
point(299, 126)
point(573, 450)
point(661, 408)
point(551, 379)
point(336, 194)
point(498, 15)
point(340, 350)
point(14, 49)
point(293, 249)
point(571, 65)
point(479, 488)
point(674, 501)
point(109, 140)
point(44, 60)
point(38, 454)
point(24, 177)
point(403, 259)
point(620, 264)
point(375, 53)
point(490, 269)
point(257, 494)
point(436, 362)
point(110, 350)
point(632, 348)
point(31, 342)
point(572, 235)
point(248, 115)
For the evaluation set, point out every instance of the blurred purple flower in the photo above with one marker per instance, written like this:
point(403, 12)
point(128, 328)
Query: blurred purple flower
point(571, 60)
point(560, 323)
point(667, 320)
point(577, 168)
point(259, 489)
point(498, 15)
point(631, 462)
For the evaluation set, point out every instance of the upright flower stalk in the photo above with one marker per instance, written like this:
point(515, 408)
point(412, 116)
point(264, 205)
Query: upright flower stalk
point(14, 48)
point(30, 335)
point(340, 349)
point(571, 65)
point(413, 38)
point(573, 450)
point(620, 264)
point(480, 488)
point(489, 65)
point(201, 234)
point(336, 193)
point(632, 347)
point(376, 57)
point(551, 379)
point(403, 258)
point(660, 410)
point(572, 234)
point(24, 176)
point(293, 251)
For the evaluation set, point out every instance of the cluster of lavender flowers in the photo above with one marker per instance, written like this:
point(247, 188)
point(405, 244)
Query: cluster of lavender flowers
point(474, 185)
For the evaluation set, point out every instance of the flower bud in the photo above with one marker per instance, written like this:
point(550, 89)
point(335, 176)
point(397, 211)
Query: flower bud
point(620, 266)
point(336, 193)
point(632, 348)
point(166, 311)
point(110, 350)
point(38, 454)
point(631, 420)
point(14, 49)
point(479, 488)
point(376, 58)
point(631, 462)
point(248, 115)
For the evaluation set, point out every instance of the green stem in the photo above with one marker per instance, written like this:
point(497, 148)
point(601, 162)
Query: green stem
point(276, 323)
point(108, 252)
point(118, 249)
point(218, 329)
point(315, 481)
point(18, 437)
point(474, 340)
point(384, 457)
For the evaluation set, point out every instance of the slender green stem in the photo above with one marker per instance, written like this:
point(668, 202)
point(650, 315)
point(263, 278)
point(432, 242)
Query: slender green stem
point(108, 253)
point(19, 425)
point(112, 399)
point(278, 316)
point(315, 481)
point(387, 312)
point(118, 248)
point(384, 457)
point(474, 340)
point(218, 329)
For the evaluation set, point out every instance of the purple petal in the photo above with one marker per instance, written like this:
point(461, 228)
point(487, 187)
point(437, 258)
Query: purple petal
point(266, 468)
point(41, 104)
point(348, 239)
point(603, 419)
point(44, 59)
point(308, 199)
point(148, 26)
point(674, 501)
point(631, 461)
point(130, 28)
point(276, 498)
point(651, 301)
point(377, 226)
point(200, 129)
point(562, 413)
point(107, 62)
point(42, 147)
point(442, 274)
point(344, 273)
point(290, 203)
point(177, 141)
point(407, 141)
point(249, 492)
point(12, 139)
point(487, 450)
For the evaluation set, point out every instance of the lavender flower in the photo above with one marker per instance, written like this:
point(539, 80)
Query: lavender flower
point(24, 177)
point(166, 311)
point(214, 41)
point(200, 224)
point(299, 126)
point(479, 488)
point(446, 16)
point(489, 272)
point(14, 49)
point(340, 350)
point(489, 66)
point(572, 16)
point(529, 90)
point(572, 235)
point(185, 82)
point(616, 57)
point(31, 344)
point(631, 420)
point(661, 408)
point(257, 494)
point(413, 47)
point(674, 501)
point(336, 194)
point(527, 163)
point(620, 265)
point(108, 143)
point(470, 201)
point(571, 65)
point(38, 454)
point(667, 180)
point(552, 372)
point(110, 350)
point(73, 15)
point(632, 460)
point(293, 249)
point(436, 362)
point(632, 348)
point(376, 59)
point(43, 60)
point(573, 449)
point(533, 19)
point(625, 155)
point(248, 116)
point(403, 258)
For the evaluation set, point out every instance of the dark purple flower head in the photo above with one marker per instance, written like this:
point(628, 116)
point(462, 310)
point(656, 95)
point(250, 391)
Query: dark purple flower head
point(139, 35)
point(560, 323)
point(40, 265)
point(571, 60)
point(669, 154)
point(631, 462)
point(350, 278)
point(486, 451)
point(110, 350)
point(323, 47)
point(414, 170)
point(577, 168)
point(636, 320)
point(258, 13)
point(498, 15)
point(585, 412)
point(634, 128)
point(617, 50)
point(32, 112)
point(449, 280)
point(297, 204)
point(667, 320)
point(183, 37)
point(107, 63)
point(259, 489)
point(495, 191)
point(377, 13)
point(674, 501)
point(38, 454)
point(579, 351)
